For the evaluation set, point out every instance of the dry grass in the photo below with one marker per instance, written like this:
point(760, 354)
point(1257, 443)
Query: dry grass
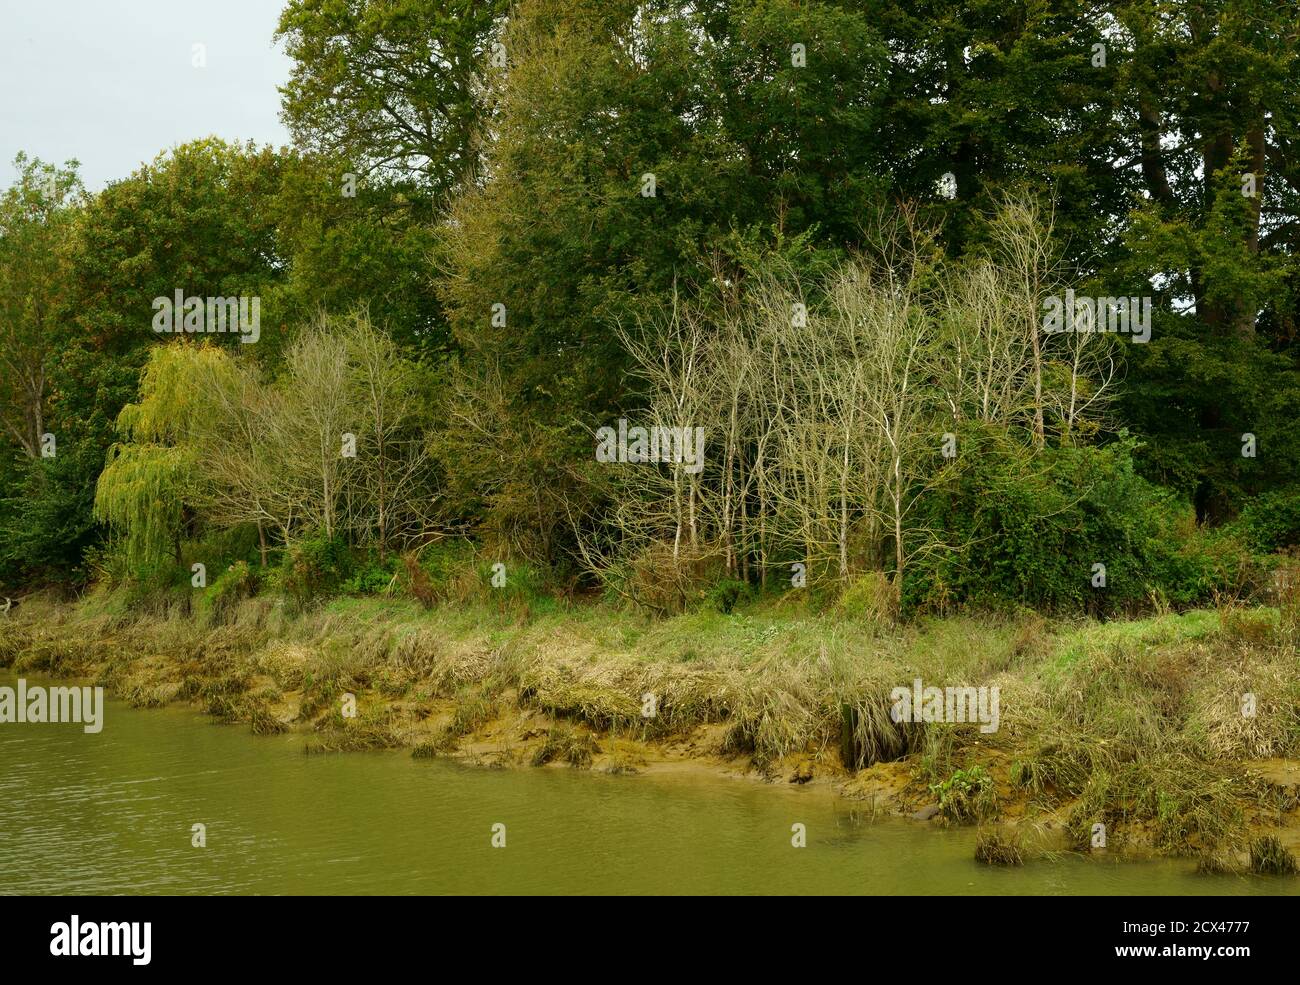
point(1137, 724)
point(565, 744)
point(999, 846)
point(1268, 857)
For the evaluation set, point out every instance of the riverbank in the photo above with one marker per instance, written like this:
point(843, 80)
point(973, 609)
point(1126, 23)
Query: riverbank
point(1139, 726)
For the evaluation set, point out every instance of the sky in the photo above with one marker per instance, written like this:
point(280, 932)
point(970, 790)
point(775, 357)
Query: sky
point(113, 83)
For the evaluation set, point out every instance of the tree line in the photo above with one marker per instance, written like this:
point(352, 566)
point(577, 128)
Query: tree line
point(824, 232)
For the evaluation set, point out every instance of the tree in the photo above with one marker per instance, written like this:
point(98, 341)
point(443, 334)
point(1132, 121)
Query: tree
point(38, 213)
point(197, 219)
point(629, 147)
point(394, 414)
point(358, 242)
point(390, 85)
point(1000, 95)
point(152, 475)
point(36, 216)
point(1210, 93)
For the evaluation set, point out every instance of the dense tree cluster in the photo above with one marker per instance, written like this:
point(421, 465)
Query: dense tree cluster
point(824, 232)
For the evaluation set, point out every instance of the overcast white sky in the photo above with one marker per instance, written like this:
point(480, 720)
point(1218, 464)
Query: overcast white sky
point(110, 82)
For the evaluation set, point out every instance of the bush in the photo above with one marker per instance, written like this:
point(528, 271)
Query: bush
point(1272, 521)
point(314, 567)
point(1029, 530)
point(668, 580)
point(524, 583)
point(726, 594)
point(156, 589)
point(219, 549)
point(372, 577)
point(236, 583)
point(441, 571)
point(871, 597)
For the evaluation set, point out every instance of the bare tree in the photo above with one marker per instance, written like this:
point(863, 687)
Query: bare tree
point(1022, 230)
point(394, 468)
point(827, 403)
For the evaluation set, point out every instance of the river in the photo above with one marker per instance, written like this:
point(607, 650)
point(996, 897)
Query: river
point(114, 813)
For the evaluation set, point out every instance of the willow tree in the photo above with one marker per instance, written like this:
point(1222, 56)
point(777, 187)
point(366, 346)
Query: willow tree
point(152, 472)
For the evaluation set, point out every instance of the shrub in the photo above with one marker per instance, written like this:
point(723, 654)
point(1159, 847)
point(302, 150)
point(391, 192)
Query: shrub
point(1271, 521)
point(1286, 589)
point(1028, 530)
point(446, 560)
point(967, 795)
point(313, 567)
point(525, 584)
point(371, 577)
point(219, 549)
point(726, 594)
point(871, 597)
point(667, 580)
point(236, 583)
point(157, 588)
point(451, 570)
point(417, 581)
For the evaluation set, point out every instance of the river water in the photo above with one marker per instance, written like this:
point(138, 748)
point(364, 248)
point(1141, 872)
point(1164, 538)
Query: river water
point(114, 812)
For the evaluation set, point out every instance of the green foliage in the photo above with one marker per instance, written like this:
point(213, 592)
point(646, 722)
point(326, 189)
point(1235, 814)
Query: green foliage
point(365, 251)
point(726, 593)
point(1271, 521)
point(389, 85)
point(142, 493)
point(218, 549)
point(371, 576)
point(598, 102)
point(871, 596)
point(46, 527)
point(314, 567)
point(525, 585)
point(152, 474)
point(37, 218)
point(43, 501)
point(752, 153)
point(236, 583)
point(153, 587)
point(445, 560)
point(967, 795)
point(1014, 529)
point(1194, 396)
point(196, 219)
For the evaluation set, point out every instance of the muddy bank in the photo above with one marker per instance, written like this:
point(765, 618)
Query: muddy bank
point(1132, 730)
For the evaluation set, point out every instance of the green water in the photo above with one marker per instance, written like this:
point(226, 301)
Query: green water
point(112, 813)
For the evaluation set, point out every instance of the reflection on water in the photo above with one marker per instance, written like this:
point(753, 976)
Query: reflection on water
point(112, 813)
